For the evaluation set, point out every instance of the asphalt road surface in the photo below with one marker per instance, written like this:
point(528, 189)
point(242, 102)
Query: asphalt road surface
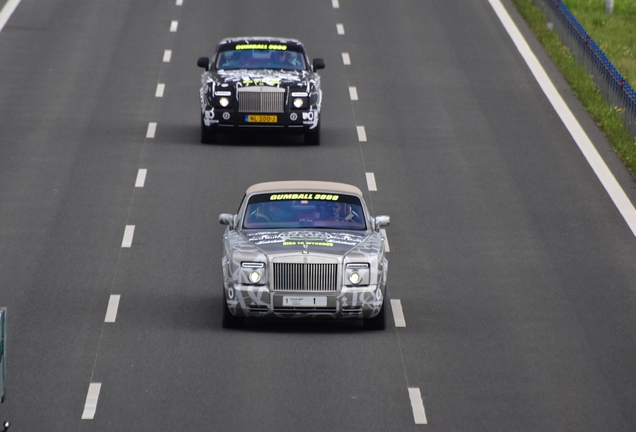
point(515, 272)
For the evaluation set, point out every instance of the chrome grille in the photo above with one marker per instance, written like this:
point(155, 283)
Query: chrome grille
point(261, 99)
point(305, 277)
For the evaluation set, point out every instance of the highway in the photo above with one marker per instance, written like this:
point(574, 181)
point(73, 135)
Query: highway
point(514, 269)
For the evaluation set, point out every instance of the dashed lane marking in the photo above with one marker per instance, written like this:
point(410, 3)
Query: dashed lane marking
point(362, 134)
point(398, 313)
point(167, 55)
point(386, 240)
point(160, 89)
point(179, 2)
point(129, 232)
point(91, 401)
point(353, 93)
point(346, 59)
point(141, 177)
point(335, 4)
point(111, 311)
point(340, 29)
point(173, 26)
point(371, 181)
point(7, 11)
point(152, 128)
point(417, 404)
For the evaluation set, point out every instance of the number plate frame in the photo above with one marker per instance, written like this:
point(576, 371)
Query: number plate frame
point(304, 301)
point(259, 118)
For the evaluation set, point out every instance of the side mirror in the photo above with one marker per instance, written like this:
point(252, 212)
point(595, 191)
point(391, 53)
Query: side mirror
point(382, 222)
point(227, 219)
point(204, 62)
point(318, 64)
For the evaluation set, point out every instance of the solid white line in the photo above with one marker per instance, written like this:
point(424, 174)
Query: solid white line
point(386, 240)
point(346, 60)
point(353, 93)
point(167, 54)
point(179, 2)
point(371, 182)
point(362, 134)
point(7, 11)
point(417, 405)
point(616, 193)
point(340, 29)
point(160, 89)
point(173, 26)
point(335, 4)
point(129, 232)
point(111, 311)
point(398, 314)
point(141, 177)
point(91, 401)
point(152, 128)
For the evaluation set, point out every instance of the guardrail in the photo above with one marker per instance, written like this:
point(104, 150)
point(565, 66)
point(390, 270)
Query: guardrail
point(612, 85)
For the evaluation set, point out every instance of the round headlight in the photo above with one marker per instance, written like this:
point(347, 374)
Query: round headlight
point(298, 102)
point(255, 277)
point(355, 278)
point(224, 102)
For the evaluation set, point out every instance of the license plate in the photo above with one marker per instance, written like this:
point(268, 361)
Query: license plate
point(261, 118)
point(304, 301)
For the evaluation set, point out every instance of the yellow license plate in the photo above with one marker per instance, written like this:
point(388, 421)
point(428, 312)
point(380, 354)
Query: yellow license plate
point(261, 118)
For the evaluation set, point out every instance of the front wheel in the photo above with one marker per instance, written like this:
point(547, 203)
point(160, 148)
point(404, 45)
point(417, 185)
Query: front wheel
point(230, 321)
point(313, 136)
point(208, 134)
point(378, 322)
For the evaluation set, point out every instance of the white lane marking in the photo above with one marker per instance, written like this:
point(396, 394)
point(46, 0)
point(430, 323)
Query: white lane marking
point(129, 232)
point(398, 314)
point(173, 26)
point(340, 29)
point(616, 193)
point(335, 4)
point(179, 2)
point(141, 177)
point(362, 134)
point(7, 11)
point(160, 89)
point(152, 128)
point(353, 93)
point(111, 311)
point(371, 181)
point(91, 401)
point(386, 240)
point(346, 60)
point(417, 404)
point(167, 54)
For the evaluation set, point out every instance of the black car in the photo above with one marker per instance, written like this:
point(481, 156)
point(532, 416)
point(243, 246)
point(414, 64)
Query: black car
point(260, 82)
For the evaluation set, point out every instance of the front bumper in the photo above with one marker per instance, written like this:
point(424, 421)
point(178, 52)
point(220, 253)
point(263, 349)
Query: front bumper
point(301, 120)
point(249, 301)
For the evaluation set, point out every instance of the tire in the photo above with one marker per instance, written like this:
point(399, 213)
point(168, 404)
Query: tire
point(313, 137)
point(230, 321)
point(378, 322)
point(208, 134)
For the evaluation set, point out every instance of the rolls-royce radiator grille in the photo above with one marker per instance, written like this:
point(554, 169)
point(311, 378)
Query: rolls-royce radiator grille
point(261, 99)
point(305, 277)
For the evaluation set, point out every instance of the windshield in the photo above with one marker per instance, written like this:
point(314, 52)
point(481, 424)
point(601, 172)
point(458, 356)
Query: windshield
point(294, 211)
point(261, 59)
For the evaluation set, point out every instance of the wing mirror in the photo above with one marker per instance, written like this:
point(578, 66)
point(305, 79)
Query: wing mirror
point(318, 64)
point(204, 62)
point(382, 222)
point(227, 219)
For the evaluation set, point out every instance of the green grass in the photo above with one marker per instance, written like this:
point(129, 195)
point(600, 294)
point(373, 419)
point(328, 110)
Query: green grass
point(606, 116)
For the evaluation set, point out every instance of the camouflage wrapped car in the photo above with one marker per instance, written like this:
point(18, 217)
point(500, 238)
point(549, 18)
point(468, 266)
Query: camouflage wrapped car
point(304, 250)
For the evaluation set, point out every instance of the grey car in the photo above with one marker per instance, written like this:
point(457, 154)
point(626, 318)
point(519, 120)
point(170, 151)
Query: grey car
point(304, 250)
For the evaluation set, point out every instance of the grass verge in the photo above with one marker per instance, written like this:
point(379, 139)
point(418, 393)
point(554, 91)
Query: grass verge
point(606, 117)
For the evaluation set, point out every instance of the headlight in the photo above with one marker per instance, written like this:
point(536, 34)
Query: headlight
point(357, 274)
point(298, 102)
point(224, 102)
point(253, 271)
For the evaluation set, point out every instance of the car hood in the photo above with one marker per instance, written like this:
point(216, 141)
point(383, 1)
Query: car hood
point(268, 77)
point(296, 241)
